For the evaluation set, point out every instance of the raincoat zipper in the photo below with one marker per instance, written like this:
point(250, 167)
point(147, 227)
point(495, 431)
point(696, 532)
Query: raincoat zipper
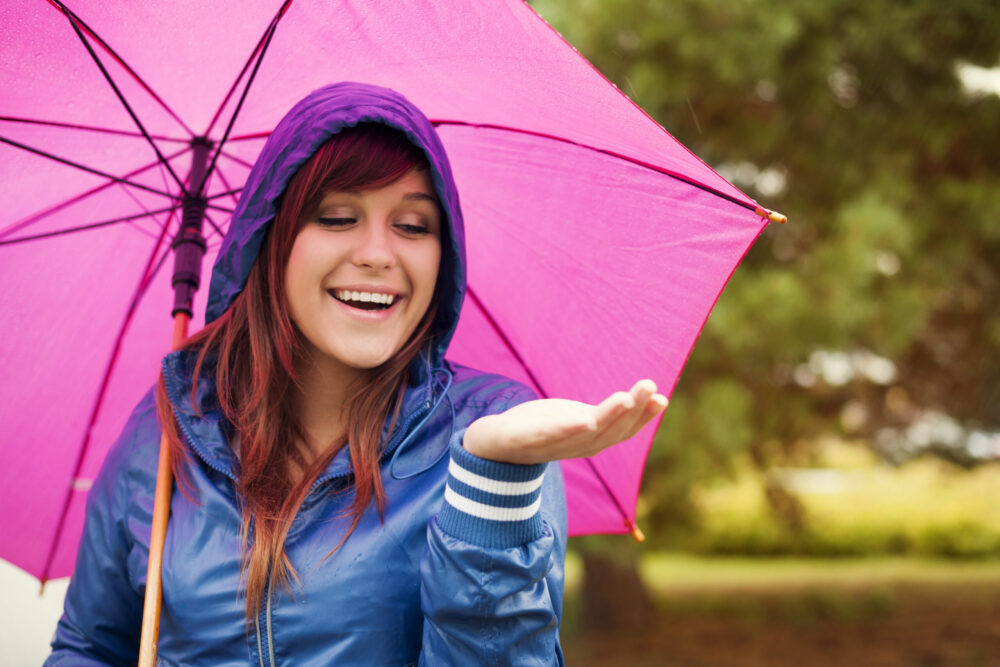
point(267, 641)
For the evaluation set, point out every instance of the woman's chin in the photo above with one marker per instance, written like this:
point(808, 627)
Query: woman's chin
point(360, 357)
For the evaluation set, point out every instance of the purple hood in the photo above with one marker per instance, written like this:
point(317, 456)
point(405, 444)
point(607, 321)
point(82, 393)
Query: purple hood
point(312, 121)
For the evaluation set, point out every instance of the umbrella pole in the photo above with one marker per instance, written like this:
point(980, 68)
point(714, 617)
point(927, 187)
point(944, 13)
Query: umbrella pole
point(189, 247)
point(161, 515)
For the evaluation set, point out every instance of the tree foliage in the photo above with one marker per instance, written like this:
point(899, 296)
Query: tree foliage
point(850, 117)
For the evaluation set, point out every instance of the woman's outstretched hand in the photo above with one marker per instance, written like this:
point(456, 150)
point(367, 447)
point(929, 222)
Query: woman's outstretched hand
point(554, 428)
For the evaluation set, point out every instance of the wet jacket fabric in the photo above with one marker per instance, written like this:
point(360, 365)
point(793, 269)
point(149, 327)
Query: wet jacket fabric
point(465, 567)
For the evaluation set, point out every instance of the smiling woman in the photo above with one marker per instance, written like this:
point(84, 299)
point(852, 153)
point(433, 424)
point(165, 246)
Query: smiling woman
point(402, 503)
point(363, 269)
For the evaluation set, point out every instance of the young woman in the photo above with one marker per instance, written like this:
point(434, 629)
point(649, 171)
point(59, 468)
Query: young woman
point(347, 496)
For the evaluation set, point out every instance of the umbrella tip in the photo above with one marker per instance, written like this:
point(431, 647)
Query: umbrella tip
point(636, 532)
point(771, 216)
point(41, 589)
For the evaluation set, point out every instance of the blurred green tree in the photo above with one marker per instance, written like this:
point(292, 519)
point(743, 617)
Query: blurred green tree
point(851, 117)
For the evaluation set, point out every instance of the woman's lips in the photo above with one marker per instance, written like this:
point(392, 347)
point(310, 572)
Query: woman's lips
point(366, 312)
point(353, 296)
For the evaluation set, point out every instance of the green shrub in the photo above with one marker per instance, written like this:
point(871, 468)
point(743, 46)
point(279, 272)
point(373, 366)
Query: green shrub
point(757, 535)
point(926, 508)
point(961, 539)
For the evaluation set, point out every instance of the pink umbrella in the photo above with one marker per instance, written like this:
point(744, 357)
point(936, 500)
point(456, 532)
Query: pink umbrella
point(613, 241)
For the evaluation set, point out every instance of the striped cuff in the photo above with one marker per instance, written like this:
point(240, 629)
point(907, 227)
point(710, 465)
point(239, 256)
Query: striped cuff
point(489, 503)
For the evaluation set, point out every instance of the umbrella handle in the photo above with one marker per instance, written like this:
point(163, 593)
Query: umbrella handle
point(161, 515)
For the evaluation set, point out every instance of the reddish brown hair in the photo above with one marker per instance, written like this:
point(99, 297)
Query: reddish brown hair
point(254, 350)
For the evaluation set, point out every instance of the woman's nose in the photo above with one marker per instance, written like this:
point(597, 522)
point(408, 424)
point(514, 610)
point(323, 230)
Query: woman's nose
point(374, 249)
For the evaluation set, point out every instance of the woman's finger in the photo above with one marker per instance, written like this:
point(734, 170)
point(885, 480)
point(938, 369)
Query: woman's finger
point(645, 387)
point(611, 408)
point(654, 406)
point(622, 424)
point(657, 404)
point(582, 443)
point(617, 429)
point(616, 405)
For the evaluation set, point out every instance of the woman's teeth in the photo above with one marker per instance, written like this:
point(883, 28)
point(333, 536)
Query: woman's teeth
point(365, 300)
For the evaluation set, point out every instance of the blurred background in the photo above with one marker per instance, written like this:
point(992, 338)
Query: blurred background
point(825, 485)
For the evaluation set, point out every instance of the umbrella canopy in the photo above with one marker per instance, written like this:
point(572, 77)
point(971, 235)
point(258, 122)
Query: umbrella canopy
point(597, 244)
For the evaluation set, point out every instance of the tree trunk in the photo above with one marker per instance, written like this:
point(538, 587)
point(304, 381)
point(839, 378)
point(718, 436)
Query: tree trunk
point(614, 597)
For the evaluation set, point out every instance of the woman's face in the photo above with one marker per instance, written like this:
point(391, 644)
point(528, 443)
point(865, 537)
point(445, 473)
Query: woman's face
point(363, 269)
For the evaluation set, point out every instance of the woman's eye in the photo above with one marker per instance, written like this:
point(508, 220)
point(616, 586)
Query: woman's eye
point(413, 229)
point(336, 222)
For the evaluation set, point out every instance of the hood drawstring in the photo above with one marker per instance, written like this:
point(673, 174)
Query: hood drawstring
point(436, 381)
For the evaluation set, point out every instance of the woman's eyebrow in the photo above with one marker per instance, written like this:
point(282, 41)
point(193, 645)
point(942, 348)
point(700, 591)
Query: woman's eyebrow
point(420, 196)
point(411, 196)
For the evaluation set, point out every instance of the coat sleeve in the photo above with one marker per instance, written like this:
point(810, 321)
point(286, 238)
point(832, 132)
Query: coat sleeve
point(492, 576)
point(102, 613)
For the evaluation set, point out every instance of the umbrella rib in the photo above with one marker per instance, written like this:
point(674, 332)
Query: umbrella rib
point(231, 191)
point(152, 215)
point(227, 193)
point(541, 392)
point(89, 226)
point(104, 45)
point(17, 226)
point(506, 341)
point(604, 151)
point(76, 28)
point(83, 167)
point(218, 230)
point(147, 277)
point(88, 128)
point(239, 105)
point(611, 493)
point(246, 65)
point(237, 160)
point(163, 177)
point(250, 137)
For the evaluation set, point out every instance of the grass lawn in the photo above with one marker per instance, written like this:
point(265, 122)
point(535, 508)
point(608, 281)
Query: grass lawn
point(667, 573)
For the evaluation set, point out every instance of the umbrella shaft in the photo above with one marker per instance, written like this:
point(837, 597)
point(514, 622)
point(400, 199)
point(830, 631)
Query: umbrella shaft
point(189, 245)
point(161, 513)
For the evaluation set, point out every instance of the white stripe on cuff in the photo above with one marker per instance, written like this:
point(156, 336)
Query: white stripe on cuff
point(493, 485)
point(463, 504)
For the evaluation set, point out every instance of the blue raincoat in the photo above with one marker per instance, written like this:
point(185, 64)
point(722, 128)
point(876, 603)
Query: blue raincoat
point(465, 569)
